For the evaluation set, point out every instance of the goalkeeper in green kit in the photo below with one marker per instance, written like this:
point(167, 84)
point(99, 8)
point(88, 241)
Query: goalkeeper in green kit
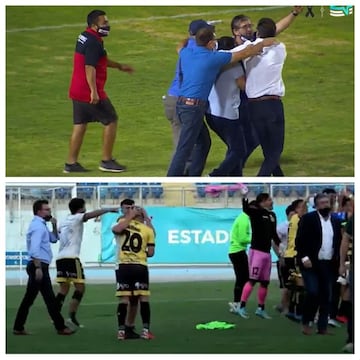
point(240, 238)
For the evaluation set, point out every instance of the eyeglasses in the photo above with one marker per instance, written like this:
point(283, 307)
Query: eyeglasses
point(246, 26)
point(46, 209)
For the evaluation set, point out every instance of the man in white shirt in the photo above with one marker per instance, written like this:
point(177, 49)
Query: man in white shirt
point(264, 89)
point(318, 246)
point(68, 265)
point(222, 115)
point(282, 230)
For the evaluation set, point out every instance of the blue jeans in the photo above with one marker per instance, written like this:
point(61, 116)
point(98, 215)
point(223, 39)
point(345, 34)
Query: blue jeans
point(269, 122)
point(318, 284)
point(194, 139)
point(231, 133)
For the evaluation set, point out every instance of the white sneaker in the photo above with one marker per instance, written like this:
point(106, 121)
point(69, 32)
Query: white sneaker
point(334, 323)
point(348, 348)
point(233, 307)
point(71, 325)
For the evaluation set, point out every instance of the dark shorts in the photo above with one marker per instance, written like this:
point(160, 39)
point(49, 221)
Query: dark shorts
point(132, 280)
point(69, 270)
point(103, 112)
point(287, 269)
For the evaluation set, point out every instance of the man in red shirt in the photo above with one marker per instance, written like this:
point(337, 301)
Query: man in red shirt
point(90, 101)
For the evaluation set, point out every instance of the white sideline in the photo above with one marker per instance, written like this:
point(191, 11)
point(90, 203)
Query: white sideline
point(151, 18)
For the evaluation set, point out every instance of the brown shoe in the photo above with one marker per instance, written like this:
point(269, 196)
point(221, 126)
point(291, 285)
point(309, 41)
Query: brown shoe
point(66, 331)
point(20, 332)
point(324, 332)
point(306, 330)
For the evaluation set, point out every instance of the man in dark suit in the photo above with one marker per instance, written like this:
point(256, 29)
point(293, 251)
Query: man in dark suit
point(318, 244)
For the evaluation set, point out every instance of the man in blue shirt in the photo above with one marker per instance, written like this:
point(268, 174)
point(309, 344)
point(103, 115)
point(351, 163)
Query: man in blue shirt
point(38, 239)
point(170, 99)
point(199, 67)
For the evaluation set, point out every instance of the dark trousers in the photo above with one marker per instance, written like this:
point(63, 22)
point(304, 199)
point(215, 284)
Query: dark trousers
point(194, 140)
point(317, 282)
point(269, 122)
point(231, 133)
point(240, 264)
point(32, 290)
point(250, 136)
point(350, 324)
point(335, 297)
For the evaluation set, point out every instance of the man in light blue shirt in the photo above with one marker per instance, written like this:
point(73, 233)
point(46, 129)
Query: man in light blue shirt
point(170, 99)
point(38, 239)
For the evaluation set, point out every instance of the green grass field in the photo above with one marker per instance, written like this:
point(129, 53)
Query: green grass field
point(318, 74)
point(176, 309)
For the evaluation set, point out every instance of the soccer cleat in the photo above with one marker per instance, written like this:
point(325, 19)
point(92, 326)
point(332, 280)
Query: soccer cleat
point(131, 334)
point(306, 329)
point(324, 332)
point(243, 313)
point(74, 168)
point(262, 313)
point(233, 307)
point(66, 331)
point(121, 335)
point(73, 325)
point(333, 323)
point(146, 334)
point(151, 336)
point(111, 166)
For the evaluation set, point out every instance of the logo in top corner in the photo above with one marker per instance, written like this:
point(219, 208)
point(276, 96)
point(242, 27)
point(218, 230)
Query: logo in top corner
point(341, 10)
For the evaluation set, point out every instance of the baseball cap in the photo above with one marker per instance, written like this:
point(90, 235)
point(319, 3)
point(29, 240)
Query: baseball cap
point(196, 25)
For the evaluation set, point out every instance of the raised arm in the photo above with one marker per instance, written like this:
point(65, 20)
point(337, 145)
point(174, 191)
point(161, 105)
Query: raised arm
point(285, 22)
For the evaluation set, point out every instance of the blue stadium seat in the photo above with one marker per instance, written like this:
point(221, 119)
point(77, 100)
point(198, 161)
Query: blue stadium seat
point(300, 190)
point(286, 190)
point(85, 192)
point(351, 188)
point(115, 192)
point(103, 193)
point(62, 193)
point(200, 189)
point(276, 190)
point(130, 190)
point(145, 191)
point(156, 190)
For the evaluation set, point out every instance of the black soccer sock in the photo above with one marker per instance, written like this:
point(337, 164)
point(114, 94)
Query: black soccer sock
point(242, 304)
point(261, 306)
point(145, 313)
point(121, 315)
point(73, 318)
point(60, 298)
point(347, 308)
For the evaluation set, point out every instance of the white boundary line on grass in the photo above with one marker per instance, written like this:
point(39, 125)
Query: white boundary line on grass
point(151, 18)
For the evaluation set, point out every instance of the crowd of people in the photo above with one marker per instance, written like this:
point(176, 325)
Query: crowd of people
point(315, 263)
point(234, 82)
point(135, 238)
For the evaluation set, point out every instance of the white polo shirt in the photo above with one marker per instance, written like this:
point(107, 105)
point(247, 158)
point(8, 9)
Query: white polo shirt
point(264, 72)
point(326, 251)
point(71, 236)
point(224, 98)
point(282, 231)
